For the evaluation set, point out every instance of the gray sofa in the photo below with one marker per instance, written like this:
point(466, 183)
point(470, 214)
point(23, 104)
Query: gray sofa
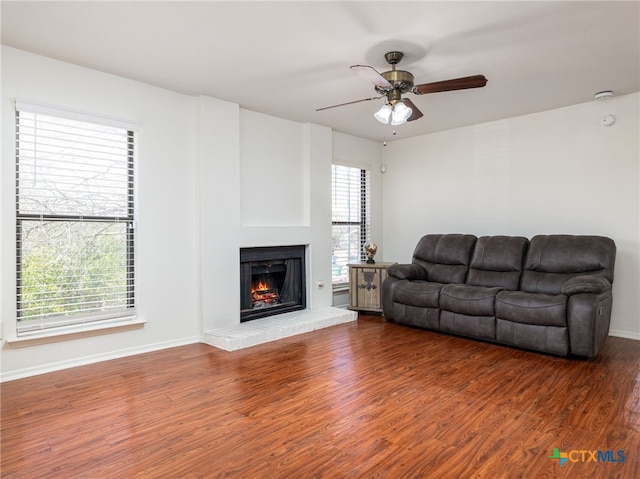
point(551, 293)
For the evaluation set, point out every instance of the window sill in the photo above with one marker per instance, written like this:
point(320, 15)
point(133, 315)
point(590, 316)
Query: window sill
point(342, 288)
point(34, 338)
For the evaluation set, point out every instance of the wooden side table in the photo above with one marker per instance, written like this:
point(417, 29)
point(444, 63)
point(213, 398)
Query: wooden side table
point(365, 286)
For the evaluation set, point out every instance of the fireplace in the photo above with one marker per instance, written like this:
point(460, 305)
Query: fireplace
point(272, 281)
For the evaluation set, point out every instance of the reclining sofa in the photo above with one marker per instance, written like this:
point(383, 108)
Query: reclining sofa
point(550, 294)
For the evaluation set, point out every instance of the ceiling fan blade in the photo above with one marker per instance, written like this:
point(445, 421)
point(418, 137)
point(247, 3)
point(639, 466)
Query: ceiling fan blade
point(415, 113)
point(349, 103)
point(474, 81)
point(371, 74)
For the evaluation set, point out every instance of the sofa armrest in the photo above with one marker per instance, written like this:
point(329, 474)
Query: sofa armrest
point(588, 318)
point(586, 284)
point(407, 271)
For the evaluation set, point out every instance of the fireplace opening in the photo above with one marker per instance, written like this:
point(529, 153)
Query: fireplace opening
point(272, 281)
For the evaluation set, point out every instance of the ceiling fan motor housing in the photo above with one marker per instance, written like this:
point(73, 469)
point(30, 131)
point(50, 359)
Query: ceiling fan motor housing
point(400, 79)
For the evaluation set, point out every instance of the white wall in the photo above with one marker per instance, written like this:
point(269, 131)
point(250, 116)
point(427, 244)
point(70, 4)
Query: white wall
point(166, 273)
point(219, 212)
point(558, 171)
point(273, 173)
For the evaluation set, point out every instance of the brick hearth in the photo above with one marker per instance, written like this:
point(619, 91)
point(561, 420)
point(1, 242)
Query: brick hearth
point(272, 328)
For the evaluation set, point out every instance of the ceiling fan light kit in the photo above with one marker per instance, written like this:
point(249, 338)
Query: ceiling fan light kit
point(383, 114)
point(399, 113)
point(393, 83)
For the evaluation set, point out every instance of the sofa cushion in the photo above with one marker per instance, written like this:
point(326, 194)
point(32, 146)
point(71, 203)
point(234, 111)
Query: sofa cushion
point(553, 259)
point(417, 293)
point(497, 261)
point(467, 299)
point(532, 308)
point(445, 257)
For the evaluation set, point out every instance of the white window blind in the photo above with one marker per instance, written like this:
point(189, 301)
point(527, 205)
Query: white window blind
point(75, 220)
point(350, 219)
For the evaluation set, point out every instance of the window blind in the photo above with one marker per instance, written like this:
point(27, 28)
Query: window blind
point(350, 219)
point(74, 220)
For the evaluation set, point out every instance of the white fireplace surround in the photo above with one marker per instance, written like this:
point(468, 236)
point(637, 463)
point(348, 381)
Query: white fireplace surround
point(272, 189)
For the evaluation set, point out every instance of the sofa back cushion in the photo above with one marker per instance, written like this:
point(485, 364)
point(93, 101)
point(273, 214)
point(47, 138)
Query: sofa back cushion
point(553, 259)
point(497, 261)
point(445, 257)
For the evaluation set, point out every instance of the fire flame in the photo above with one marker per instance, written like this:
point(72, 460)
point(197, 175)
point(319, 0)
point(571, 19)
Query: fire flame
point(261, 286)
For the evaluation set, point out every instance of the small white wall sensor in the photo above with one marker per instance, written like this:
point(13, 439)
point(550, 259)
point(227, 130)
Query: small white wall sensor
point(608, 120)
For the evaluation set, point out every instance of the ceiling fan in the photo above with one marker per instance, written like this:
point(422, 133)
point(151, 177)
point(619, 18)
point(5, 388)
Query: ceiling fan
point(393, 83)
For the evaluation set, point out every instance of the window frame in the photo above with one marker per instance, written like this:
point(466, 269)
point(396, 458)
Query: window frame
point(64, 325)
point(364, 222)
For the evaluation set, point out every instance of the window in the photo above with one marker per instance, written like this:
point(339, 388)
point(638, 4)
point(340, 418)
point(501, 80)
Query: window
point(350, 219)
point(75, 220)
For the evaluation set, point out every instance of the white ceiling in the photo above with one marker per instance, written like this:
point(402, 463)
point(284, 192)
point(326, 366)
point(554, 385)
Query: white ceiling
point(289, 58)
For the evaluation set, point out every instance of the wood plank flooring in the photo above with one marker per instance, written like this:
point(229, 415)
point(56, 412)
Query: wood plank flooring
point(367, 399)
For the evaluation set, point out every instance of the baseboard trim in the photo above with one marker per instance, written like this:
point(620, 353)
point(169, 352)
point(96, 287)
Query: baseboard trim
point(83, 361)
point(624, 334)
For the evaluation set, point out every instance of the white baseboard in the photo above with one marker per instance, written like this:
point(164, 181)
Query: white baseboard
point(71, 363)
point(624, 334)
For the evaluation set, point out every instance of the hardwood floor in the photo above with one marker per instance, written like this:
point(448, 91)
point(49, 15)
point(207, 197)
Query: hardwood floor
point(367, 399)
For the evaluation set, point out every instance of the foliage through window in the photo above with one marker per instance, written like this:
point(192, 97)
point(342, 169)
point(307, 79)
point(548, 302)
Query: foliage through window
point(350, 219)
point(75, 221)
